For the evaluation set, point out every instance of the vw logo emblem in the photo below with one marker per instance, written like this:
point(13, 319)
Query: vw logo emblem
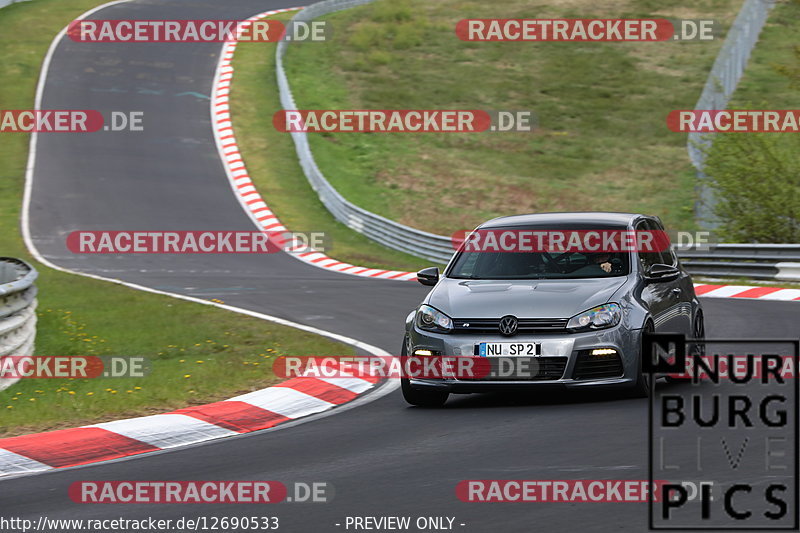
point(508, 325)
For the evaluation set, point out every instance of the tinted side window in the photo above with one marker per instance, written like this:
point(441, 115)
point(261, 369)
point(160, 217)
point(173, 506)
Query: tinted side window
point(647, 259)
point(668, 256)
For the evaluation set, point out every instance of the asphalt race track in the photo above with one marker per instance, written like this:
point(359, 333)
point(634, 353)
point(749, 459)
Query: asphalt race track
point(383, 458)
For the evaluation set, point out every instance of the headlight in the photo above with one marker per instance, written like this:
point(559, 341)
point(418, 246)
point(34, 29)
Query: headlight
point(431, 319)
point(602, 316)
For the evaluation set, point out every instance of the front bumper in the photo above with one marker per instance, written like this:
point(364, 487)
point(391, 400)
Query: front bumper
point(562, 348)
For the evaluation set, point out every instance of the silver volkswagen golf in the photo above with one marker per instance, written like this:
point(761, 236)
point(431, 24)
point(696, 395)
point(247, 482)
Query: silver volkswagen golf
point(576, 317)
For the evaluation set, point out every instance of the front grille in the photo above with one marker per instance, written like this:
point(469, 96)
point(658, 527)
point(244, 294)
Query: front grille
point(533, 369)
point(590, 366)
point(491, 326)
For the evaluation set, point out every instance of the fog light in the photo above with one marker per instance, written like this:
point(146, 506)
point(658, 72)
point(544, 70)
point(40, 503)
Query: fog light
point(604, 351)
point(423, 352)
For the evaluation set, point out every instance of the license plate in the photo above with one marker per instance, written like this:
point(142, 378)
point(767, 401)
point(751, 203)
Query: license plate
point(509, 349)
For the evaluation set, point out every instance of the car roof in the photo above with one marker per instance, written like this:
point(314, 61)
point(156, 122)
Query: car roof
point(578, 217)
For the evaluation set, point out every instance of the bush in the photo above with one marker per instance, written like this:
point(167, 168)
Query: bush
point(756, 180)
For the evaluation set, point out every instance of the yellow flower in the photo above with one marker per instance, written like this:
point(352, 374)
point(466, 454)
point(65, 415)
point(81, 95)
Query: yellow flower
point(187, 376)
point(72, 392)
point(137, 388)
point(182, 361)
point(31, 399)
point(128, 391)
point(200, 362)
point(89, 394)
point(9, 406)
point(113, 392)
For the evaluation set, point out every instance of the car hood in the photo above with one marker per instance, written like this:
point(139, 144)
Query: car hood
point(462, 298)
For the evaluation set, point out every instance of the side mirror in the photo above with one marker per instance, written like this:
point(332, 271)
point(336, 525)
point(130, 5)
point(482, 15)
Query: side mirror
point(659, 272)
point(428, 276)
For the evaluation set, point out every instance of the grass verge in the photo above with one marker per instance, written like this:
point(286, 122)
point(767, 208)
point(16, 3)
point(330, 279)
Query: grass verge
point(762, 86)
point(199, 354)
point(602, 141)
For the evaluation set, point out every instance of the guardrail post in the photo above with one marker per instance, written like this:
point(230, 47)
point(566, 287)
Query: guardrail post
point(788, 271)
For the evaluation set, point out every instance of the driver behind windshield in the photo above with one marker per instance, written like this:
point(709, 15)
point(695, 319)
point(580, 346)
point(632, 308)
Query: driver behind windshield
point(538, 265)
point(603, 261)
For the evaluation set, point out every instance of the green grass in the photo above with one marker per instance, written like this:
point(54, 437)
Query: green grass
point(199, 354)
point(762, 86)
point(273, 166)
point(759, 170)
point(602, 142)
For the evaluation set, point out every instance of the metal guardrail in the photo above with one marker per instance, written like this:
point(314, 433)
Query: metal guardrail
point(721, 83)
point(17, 310)
point(760, 261)
point(387, 232)
point(756, 261)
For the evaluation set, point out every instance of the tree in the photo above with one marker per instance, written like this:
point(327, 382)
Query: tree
point(756, 180)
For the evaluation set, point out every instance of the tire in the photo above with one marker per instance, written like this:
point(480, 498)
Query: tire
point(698, 333)
point(420, 398)
point(641, 387)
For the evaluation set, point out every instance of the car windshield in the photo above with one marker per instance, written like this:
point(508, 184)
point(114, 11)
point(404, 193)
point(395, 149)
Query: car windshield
point(539, 265)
